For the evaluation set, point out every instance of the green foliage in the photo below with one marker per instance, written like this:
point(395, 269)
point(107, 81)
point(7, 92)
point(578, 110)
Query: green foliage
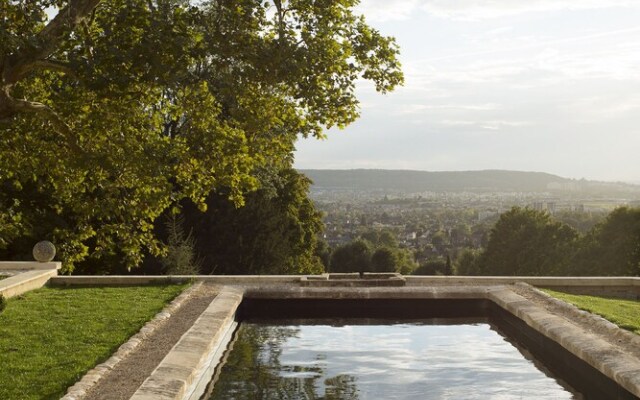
point(136, 106)
point(448, 268)
point(323, 252)
point(405, 263)
point(376, 251)
point(467, 262)
point(624, 313)
point(431, 267)
point(528, 242)
point(275, 232)
point(383, 260)
point(181, 254)
point(352, 257)
point(612, 247)
point(381, 238)
point(49, 338)
point(583, 222)
point(3, 303)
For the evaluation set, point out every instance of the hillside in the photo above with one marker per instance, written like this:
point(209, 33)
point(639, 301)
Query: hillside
point(457, 181)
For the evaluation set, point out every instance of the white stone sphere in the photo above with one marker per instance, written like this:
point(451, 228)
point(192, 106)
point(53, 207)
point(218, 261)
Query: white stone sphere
point(44, 251)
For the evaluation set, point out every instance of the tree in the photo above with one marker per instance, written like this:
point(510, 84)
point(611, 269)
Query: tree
point(405, 263)
point(113, 112)
point(583, 222)
point(383, 260)
point(275, 232)
point(352, 257)
point(381, 238)
point(323, 252)
point(448, 268)
point(528, 242)
point(612, 247)
point(181, 258)
point(467, 262)
point(387, 254)
point(431, 267)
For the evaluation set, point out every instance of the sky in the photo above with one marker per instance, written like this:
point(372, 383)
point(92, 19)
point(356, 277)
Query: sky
point(529, 85)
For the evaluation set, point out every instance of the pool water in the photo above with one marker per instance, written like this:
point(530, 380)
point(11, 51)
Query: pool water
point(416, 360)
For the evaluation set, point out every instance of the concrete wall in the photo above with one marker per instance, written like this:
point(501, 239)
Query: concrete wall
point(25, 276)
point(628, 287)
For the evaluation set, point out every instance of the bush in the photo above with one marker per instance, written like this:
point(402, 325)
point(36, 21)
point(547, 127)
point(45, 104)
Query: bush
point(3, 303)
point(181, 256)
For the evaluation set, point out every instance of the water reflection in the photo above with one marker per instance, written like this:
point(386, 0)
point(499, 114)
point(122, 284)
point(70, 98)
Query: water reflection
point(401, 361)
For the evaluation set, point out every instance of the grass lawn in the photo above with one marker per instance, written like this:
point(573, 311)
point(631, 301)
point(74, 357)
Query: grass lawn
point(50, 337)
point(624, 313)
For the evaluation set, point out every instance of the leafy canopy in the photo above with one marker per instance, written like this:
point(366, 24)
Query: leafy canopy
point(114, 111)
point(528, 242)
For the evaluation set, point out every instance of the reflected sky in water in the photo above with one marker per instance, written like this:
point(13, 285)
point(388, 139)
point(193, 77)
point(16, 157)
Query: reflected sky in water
point(402, 361)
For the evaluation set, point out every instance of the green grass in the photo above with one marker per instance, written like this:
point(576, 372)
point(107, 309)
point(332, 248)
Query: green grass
point(50, 337)
point(624, 313)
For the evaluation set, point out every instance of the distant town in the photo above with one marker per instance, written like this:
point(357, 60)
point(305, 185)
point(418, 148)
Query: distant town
point(437, 224)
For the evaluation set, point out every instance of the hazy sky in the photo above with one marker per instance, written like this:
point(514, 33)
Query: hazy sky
point(534, 85)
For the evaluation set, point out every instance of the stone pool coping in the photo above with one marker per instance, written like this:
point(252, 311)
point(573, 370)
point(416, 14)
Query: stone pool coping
point(182, 371)
point(25, 276)
point(183, 368)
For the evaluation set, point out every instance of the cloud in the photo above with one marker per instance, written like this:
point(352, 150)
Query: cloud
point(421, 108)
point(492, 125)
point(602, 109)
point(399, 10)
point(493, 47)
point(477, 10)
point(388, 10)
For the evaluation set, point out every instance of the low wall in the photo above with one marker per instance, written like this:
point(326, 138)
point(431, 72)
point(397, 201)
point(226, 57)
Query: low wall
point(623, 287)
point(628, 287)
point(25, 276)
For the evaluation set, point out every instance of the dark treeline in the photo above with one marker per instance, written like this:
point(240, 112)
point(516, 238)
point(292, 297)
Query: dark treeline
point(529, 242)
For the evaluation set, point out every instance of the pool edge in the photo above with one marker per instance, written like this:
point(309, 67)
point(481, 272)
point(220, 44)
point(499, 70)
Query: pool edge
point(183, 368)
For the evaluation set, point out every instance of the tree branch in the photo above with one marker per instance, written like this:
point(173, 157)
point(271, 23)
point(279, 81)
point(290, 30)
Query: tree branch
point(48, 39)
point(50, 65)
point(23, 60)
point(58, 124)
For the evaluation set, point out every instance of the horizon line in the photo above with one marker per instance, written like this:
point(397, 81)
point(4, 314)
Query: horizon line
point(627, 182)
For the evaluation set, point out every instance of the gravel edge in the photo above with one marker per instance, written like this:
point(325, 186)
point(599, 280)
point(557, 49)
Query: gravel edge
point(79, 390)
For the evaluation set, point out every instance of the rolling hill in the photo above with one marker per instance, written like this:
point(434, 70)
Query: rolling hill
point(456, 181)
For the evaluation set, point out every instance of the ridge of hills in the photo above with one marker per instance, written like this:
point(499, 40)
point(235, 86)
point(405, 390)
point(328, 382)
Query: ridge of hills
point(410, 181)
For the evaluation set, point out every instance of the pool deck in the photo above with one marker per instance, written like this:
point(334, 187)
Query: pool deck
point(187, 368)
point(25, 276)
